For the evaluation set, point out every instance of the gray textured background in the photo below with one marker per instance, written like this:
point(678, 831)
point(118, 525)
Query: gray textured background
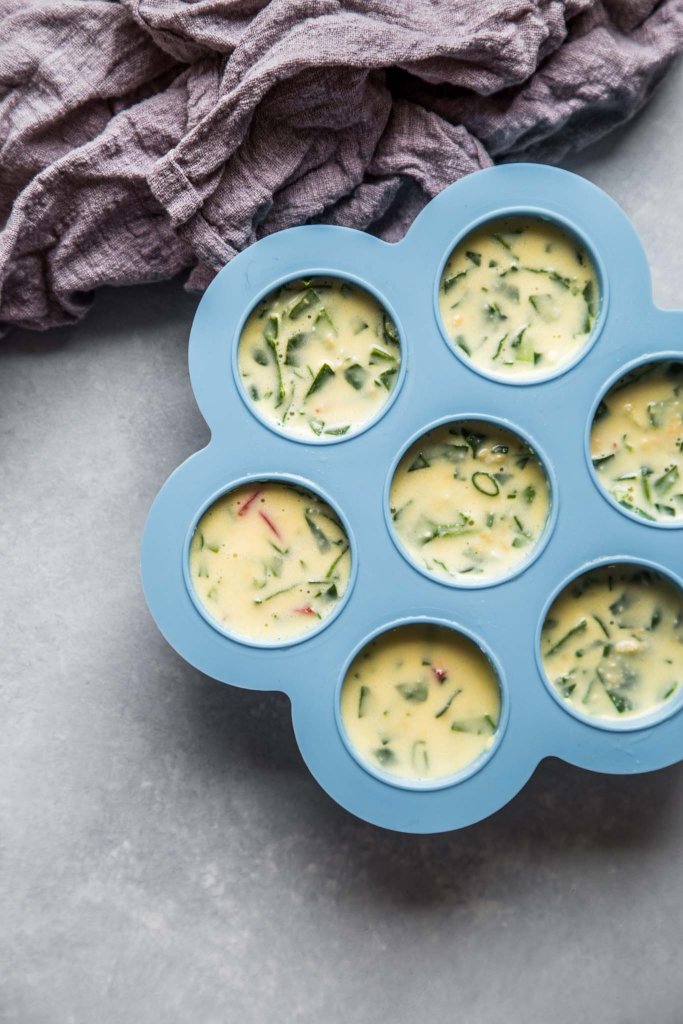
point(167, 856)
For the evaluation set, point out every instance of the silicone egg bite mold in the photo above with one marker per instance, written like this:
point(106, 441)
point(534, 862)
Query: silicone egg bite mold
point(352, 473)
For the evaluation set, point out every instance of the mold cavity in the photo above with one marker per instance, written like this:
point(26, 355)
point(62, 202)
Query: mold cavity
point(636, 442)
point(319, 358)
point(420, 701)
point(519, 297)
point(469, 502)
point(269, 562)
point(611, 644)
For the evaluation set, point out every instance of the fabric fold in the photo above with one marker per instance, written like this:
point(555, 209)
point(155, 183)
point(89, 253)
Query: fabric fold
point(143, 137)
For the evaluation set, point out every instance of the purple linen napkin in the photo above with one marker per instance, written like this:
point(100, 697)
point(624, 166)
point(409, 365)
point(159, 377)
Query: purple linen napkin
point(142, 137)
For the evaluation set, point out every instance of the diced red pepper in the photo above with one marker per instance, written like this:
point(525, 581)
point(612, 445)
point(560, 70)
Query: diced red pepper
point(266, 518)
point(247, 503)
point(305, 610)
point(440, 673)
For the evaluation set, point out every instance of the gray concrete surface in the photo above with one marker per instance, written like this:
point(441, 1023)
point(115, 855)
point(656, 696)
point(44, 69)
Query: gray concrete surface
point(166, 855)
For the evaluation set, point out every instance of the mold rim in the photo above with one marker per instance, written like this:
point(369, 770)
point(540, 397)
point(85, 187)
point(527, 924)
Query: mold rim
point(633, 364)
point(468, 770)
point(560, 220)
point(295, 480)
point(278, 282)
point(548, 528)
point(648, 720)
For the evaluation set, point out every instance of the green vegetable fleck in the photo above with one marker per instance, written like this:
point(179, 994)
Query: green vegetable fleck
point(324, 374)
point(415, 692)
point(355, 376)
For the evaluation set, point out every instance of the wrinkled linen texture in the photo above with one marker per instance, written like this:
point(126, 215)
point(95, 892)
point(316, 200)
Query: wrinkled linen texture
point(142, 137)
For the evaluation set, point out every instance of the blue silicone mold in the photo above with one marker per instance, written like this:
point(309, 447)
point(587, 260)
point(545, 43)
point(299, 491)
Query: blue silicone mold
point(352, 474)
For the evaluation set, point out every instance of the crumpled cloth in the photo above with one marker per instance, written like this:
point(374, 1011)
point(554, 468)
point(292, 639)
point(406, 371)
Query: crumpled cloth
point(141, 137)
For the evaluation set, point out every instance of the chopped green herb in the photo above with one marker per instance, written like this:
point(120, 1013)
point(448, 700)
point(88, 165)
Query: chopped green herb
point(308, 299)
point(502, 241)
point(564, 282)
point(474, 441)
point(494, 312)
point(666, 481)
point(482, 726)
point(319, 535)
point(278, 369)
point(419, 756)
point(448, 703)
point(270, 331)
point(600, 460)
point(450, 281)
point(574, 631)
point(485, 483)
point(518, 337)
point(619, 606)
point(294, 344)
point(434, 531)
point(396, 513)
point(499, 348)
point(324, 315)
point(355, 376)
point(336, 562)
point(322, 376)
point(601, 624)
point(418, 463)
point(387, 377)
point(389, 332)
point(545, 306)
point(379, 353)
point(276, 593)
point(415, 692)
point(620, 701)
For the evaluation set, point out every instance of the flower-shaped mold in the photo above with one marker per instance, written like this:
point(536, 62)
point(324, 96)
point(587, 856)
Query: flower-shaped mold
point(352, 475)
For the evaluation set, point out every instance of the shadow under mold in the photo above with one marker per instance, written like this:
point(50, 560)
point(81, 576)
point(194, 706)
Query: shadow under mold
point(561, 818)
